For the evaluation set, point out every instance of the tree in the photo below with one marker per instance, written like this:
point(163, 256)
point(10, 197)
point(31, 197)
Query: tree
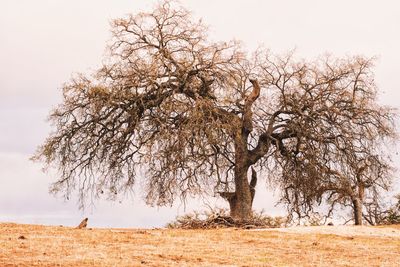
point(195, 115)
point(359, 181)
point(378, 213)
point(351, 165)
point(366, 178)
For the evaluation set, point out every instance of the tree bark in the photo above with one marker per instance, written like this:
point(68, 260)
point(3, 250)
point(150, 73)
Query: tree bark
point(357, 208)
point(241, 203)
point(242, 200)
point(358, 204)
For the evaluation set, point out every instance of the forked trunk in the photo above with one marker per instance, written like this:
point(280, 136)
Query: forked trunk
point(241, 200)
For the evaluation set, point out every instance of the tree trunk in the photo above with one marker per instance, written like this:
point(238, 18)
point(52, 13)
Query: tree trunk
point(241, 203)
point(357, 208)
point(242, 200)
point(358, 204)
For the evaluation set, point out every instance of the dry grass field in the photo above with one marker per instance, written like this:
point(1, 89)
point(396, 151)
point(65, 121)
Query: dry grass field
point(35, 245)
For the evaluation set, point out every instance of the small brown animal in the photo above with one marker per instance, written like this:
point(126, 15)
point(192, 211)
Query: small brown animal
point(83, 224)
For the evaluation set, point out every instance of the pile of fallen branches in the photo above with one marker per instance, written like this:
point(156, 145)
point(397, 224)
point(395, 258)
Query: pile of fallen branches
point(220, 218)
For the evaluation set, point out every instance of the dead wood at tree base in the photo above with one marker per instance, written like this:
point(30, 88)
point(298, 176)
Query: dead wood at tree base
point(222, 220)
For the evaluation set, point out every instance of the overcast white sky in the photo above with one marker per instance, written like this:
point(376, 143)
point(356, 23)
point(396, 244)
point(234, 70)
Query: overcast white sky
point(43, 42)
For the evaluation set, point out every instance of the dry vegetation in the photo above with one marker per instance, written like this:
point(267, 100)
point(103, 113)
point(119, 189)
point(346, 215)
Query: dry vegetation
point(64, 246)
point(219, 218)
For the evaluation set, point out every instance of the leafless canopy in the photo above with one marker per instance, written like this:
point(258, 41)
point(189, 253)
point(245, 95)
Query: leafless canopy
point(338, 153)
point(194, 115)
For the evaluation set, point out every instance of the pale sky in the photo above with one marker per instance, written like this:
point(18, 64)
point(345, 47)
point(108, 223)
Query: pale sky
point(43, 42)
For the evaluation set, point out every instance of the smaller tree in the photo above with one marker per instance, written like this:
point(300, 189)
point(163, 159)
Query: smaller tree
point(393, 213)
point(368, 177)
point(377, 213)
point(352, 163)
point(358, 176)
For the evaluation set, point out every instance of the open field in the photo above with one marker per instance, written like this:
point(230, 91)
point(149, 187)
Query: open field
point(35, 245)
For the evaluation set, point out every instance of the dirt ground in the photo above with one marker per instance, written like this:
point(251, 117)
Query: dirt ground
point(35, 245)
point(343, 230)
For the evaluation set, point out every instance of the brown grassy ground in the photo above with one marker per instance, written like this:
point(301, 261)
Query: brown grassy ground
point(64, 246)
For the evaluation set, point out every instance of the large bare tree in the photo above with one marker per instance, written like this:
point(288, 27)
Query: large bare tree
point(193, 116)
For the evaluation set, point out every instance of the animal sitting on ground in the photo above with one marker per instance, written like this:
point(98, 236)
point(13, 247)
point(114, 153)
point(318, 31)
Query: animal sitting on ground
point(83, 224)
